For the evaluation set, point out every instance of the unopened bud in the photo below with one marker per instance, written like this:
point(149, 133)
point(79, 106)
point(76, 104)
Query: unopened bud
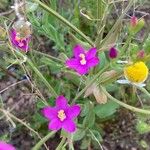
point(141, 54)
point(133, 21)
point(113, 53)
point(136, 25)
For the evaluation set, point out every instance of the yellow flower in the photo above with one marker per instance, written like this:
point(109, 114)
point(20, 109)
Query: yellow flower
point(137, 72)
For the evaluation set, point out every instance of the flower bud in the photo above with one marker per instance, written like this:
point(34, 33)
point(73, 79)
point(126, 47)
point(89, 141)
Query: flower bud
point(136, 25)
point(133, 21)
point(113, 53)
point(141, 54)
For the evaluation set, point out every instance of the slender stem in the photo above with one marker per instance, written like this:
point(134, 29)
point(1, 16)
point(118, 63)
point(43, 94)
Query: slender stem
point(144, 91)
point(47, 55)
point(128, 41)
point(117, 22)
point(7, 72)
point(43, 140)
point(134, 109)
point(66, 22)
point(21, 122)
point(90, 83)
point(61, 143)
point(52, 91)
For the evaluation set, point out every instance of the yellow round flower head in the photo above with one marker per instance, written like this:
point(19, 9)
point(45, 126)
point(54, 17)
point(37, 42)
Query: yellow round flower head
point(137, 72)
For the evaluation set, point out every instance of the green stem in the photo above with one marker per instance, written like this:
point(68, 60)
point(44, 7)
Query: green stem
point(134, 109)
point(99, 22)
point(128, 41)
point(52, 91)
point(66, 22)
point(144, 91)
point(46, 55)
point(61, 143)
point(131, 2)
point(90, 83)
point(43, 140)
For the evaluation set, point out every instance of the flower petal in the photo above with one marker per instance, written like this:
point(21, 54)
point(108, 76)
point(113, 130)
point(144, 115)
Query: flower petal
point(123, 81)
point(55, 124)
point(61, 102)
point(139, 84)
point(5, 146)
point(77, 50)
point(49, 112)
point(72, 63)
point(69, 125)
point(91, 53)
point(73, 111)
point(93, 62)
point(82, 69)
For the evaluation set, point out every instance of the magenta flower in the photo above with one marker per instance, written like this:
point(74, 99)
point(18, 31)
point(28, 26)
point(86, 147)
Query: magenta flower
point(113, 53)
point(62, 115)
point(82, 60)
point(20, 43)
point(5, 146)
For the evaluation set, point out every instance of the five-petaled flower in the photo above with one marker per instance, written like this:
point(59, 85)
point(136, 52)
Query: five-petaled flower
point(83, 60)
point(62, 115)
point(21, 43)
point(5, 146)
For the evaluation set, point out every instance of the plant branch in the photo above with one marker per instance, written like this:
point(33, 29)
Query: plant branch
point(43, 140)
point(134, 109)
point(63, 20)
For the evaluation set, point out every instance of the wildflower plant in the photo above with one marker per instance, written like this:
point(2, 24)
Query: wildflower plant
point(81, 50)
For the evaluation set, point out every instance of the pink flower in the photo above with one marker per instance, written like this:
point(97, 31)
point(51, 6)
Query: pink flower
point(5, 146)
point(113, 53)
point(82, 60)
point(20, 43)
point(62, 115)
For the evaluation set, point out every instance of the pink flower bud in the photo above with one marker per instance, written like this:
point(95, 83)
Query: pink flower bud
point(113, 53)
point(133, 21)
point(141, 54)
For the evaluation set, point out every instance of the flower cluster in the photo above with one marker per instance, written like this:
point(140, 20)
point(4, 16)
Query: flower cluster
point(62, 115)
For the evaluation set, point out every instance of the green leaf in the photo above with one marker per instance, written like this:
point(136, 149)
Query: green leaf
point(106, 110)
point(85, 109)
point(40, 104)
point(89, 120)
point(142, 127)
point(95, 135)
point(84, 144)
point(102, 60)
point(79, 134)
point(146, 45)
point(30, 7)
point(144, 144)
